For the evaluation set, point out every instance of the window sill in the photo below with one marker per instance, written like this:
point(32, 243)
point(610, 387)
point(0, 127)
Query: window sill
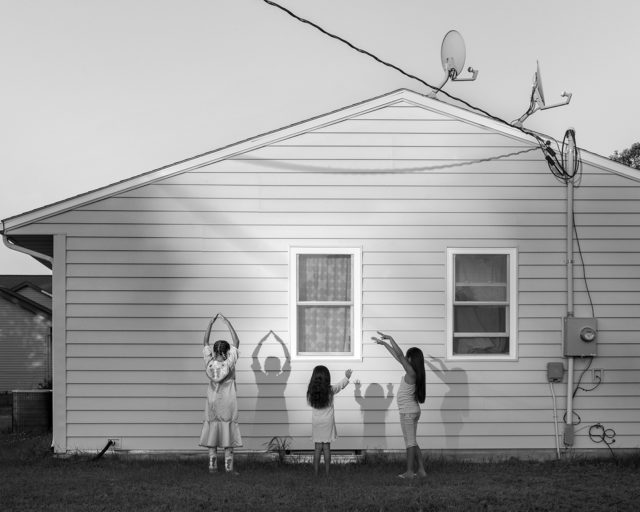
point(482, 358)
point(327, 357)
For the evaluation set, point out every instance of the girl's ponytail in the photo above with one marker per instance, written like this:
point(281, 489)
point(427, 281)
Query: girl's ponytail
point(416, 359)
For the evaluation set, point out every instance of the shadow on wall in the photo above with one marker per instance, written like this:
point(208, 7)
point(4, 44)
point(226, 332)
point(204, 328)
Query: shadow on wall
point(373, 406)
point(271, 380)
point(455, 402)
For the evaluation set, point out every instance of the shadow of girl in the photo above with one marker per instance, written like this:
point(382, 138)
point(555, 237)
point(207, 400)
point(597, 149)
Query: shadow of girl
point(271, 381)
point(374, 405)
point(455, 402)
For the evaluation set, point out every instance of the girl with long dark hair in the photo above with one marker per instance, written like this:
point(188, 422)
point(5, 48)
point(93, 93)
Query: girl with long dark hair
point(323, 424)
point(411, 394)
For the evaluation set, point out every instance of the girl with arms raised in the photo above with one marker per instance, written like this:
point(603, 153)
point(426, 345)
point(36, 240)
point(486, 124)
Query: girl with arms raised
point(220, 427)
point(411, 394)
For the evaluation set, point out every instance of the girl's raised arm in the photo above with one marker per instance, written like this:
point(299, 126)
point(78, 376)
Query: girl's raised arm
point(396, 352)
point(235, 341)
point(392, 351)
point(205, 341)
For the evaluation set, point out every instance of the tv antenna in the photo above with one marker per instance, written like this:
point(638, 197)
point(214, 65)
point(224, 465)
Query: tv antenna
point(537, 101)
point(453, 54)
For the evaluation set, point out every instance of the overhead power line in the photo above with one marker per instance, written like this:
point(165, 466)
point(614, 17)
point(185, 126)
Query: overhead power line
point(554, 163)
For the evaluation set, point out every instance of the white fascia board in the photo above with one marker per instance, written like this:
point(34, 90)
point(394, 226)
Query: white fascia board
point(606, 164)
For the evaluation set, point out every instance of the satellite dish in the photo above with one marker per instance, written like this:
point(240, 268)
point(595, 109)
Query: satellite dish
point(453, 55)
point(537, 84)
point(570, 157)
point(537, 101)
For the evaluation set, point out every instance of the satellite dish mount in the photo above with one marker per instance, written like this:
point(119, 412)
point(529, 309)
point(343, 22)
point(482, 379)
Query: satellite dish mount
point(537, 101)
point(453, 54)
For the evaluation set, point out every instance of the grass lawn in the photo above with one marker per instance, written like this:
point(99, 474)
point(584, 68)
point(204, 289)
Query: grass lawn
point(32, 479)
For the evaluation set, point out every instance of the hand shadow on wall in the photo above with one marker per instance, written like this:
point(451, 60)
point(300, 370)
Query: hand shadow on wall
point(271, 382)
point(374, 405)
point(455, 401)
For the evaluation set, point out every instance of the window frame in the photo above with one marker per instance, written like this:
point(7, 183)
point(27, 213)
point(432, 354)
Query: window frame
point(356, 304)
point(512, 306)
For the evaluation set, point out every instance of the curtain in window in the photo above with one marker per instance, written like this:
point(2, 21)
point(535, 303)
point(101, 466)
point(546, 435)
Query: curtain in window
point(325, 281)
point(480, 278)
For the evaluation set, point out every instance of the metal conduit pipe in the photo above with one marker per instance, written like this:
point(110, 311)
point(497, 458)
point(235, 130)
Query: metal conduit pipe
point(568, 437)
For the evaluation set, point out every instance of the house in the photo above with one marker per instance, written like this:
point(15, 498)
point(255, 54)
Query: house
point(25, 332)
point(404, 214)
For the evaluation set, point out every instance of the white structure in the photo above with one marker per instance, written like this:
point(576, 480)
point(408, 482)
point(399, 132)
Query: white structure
point(403, 214)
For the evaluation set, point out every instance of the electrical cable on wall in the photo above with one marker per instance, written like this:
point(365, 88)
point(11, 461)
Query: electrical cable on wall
point(584, 272)
point(578, 386)
point(406, 170)
point(599, 434)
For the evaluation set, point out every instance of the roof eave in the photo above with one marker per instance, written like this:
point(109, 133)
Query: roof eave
point(271, 137)
point(252, 143)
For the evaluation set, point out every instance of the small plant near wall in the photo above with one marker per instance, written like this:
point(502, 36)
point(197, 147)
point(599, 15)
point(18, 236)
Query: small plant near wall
point(279, 445)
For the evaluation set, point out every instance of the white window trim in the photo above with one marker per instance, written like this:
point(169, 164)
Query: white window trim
point(356, 276)
point(513, 304)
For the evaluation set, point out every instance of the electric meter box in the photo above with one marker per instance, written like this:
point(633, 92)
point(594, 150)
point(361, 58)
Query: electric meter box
point(580, 337)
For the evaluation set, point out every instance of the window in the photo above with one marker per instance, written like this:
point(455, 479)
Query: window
point(325, 303)
point(481, 304)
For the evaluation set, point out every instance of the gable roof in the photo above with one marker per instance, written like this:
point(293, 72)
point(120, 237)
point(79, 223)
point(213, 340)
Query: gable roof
point(396, 97)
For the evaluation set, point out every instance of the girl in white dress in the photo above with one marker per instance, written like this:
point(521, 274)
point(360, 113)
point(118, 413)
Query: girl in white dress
point(220, 426)
point(323, 425)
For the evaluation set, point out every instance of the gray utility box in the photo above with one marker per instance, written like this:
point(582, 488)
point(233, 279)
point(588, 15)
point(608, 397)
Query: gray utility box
point(580, 337)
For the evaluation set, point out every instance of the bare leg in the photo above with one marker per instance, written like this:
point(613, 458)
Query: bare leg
point(420, 462)
point(411, 457)
point(316, 457)
point(213, 460)
point(326, 447)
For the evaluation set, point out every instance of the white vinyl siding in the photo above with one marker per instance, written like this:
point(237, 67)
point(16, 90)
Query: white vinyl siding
point(482, 309)
point(146, 268)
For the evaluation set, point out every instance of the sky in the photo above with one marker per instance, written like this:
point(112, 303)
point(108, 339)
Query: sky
point(93, 92)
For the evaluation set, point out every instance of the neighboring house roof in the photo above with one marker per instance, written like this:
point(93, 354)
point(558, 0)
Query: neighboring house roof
point(25, 303)
point(34, 293)
point(397, 97)
point(26, 286)
point(16, 282)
